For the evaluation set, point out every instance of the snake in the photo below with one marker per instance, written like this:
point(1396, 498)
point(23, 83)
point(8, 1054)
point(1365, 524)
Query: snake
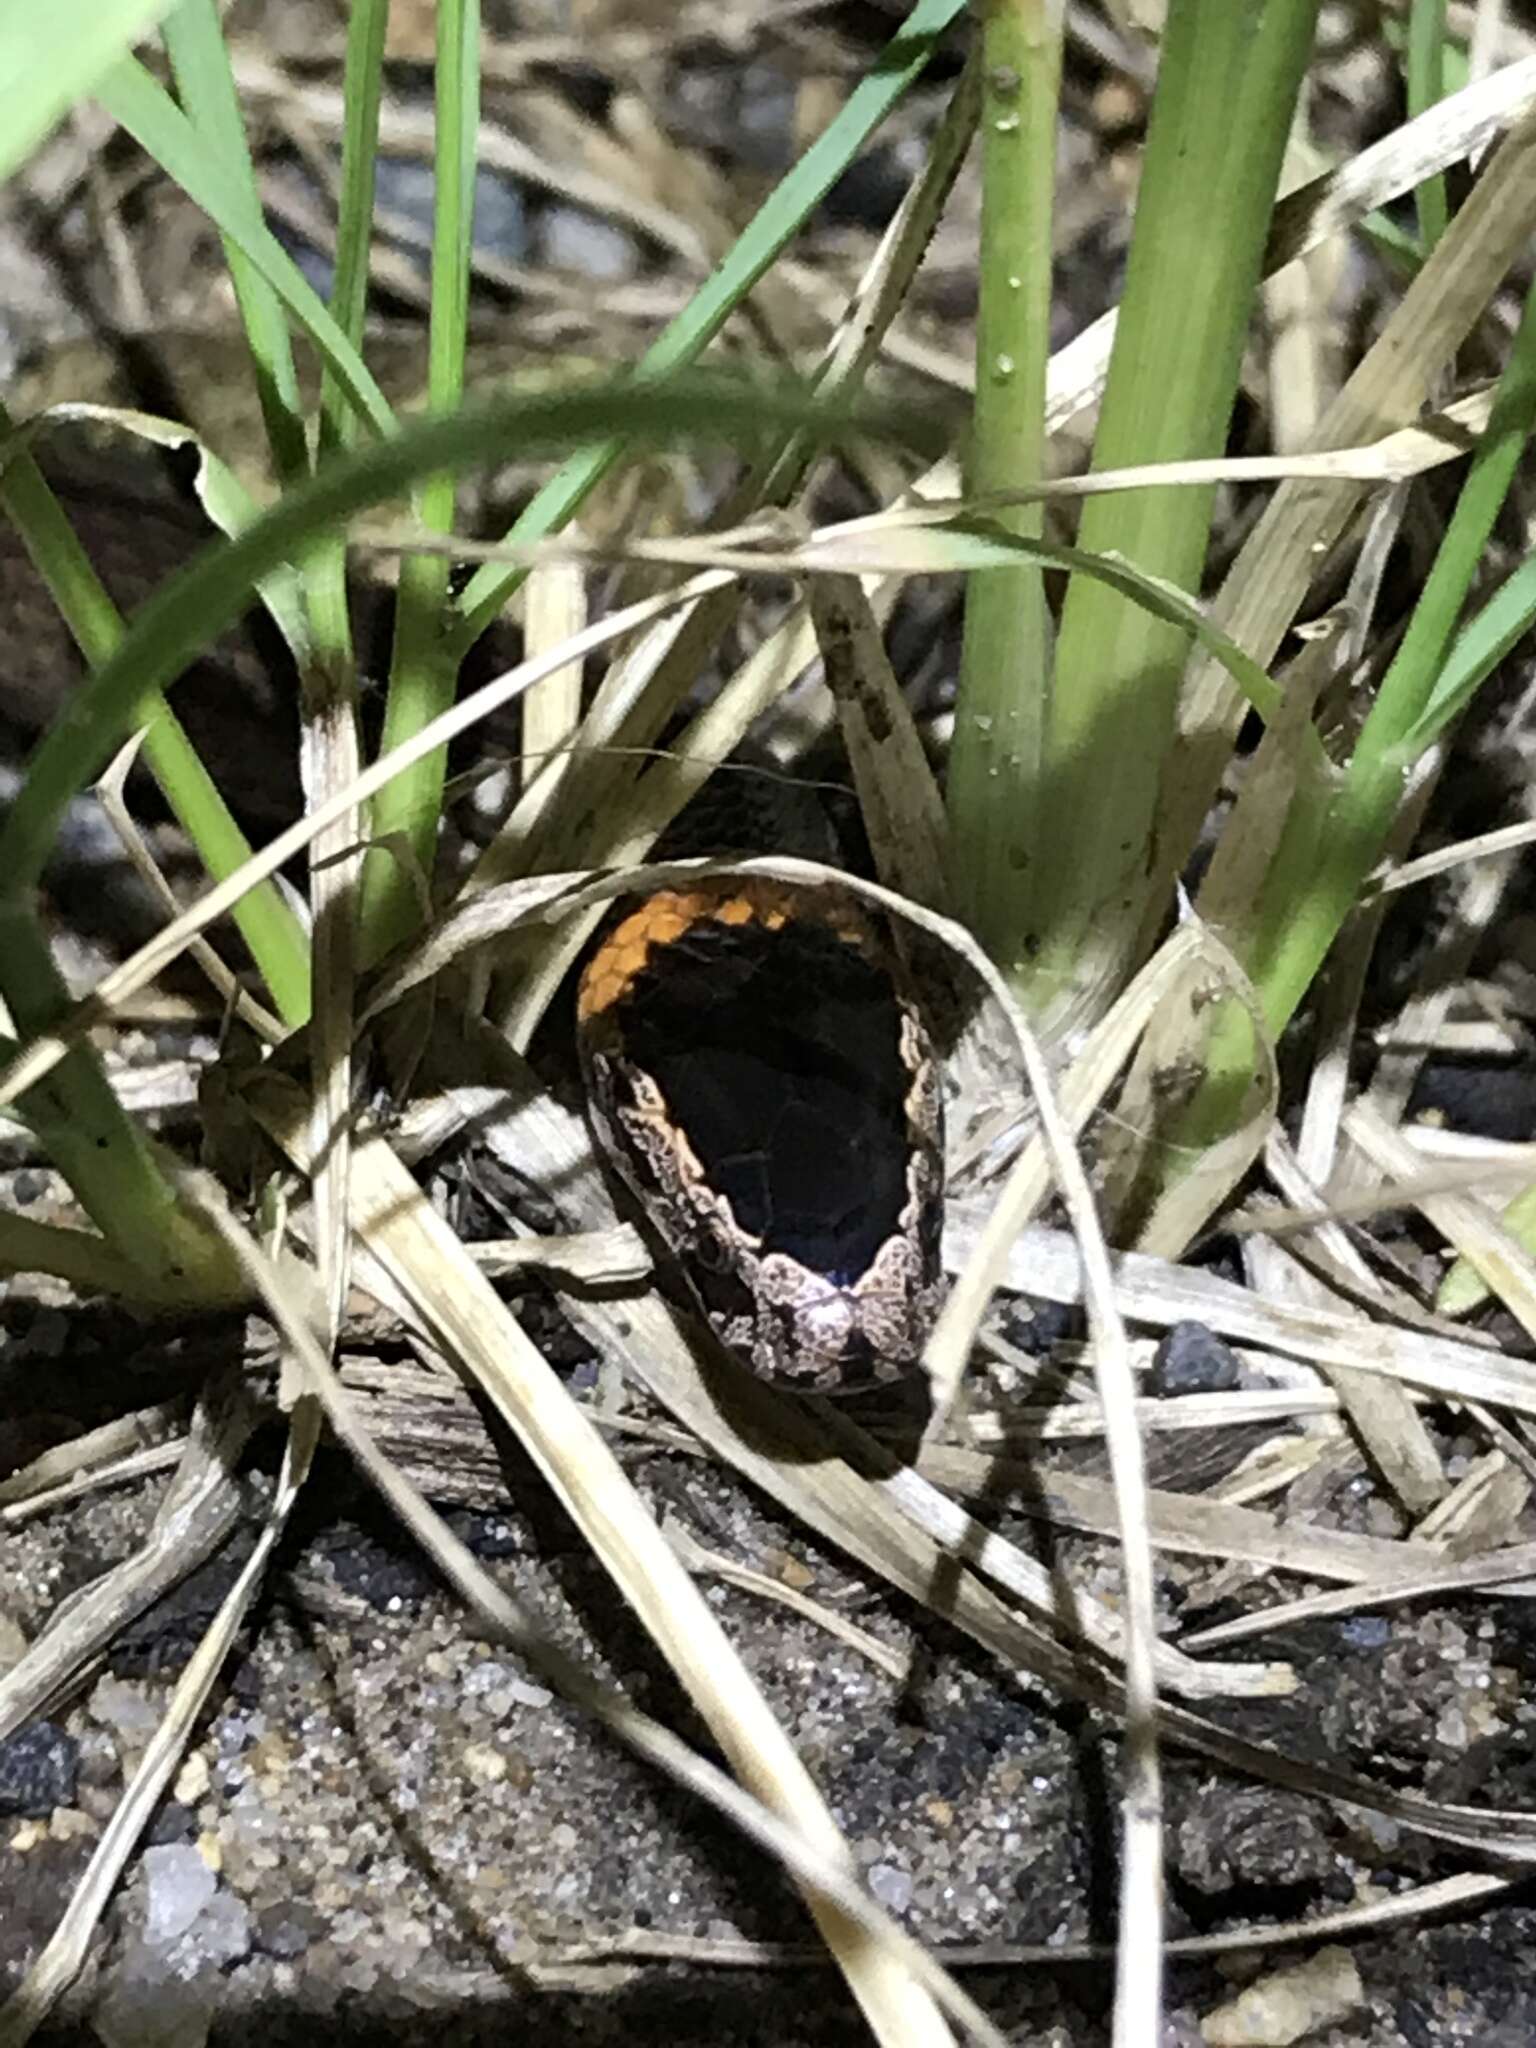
point(760, 1077)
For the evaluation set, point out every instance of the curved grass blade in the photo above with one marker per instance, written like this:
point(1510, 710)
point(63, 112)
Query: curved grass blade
point(780, 217)
point(146, 110)
point(52, 56)
point(187, 612)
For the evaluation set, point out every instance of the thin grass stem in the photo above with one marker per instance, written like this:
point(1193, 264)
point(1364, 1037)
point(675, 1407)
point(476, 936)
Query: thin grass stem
point(424, 669)
point(1003, 707)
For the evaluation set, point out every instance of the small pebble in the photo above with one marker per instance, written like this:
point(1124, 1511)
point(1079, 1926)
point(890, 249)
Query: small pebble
point(1193, 1360)
point(1289, 2004)
point(573, 240)
point(178, 1885)
point(38, 1767)
point(191, 1779)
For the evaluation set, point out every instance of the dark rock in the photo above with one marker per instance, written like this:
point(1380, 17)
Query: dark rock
point(172, 1822)
point(1484, 1098)
point(380, 1569)
point(1227, 1840)
point(164, 1636)
point(1037, 1327)
point(35, 1888)
point(1366, 1632)
point(287, 1930)
point(572, 239)
point(406, 189)
point(38, 1767)
point(1193, 1360)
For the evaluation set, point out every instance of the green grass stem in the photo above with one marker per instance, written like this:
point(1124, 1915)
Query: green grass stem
point(1004, 699)
point(362, 96)
point(1227, 87)
point(142, 106)
point(112, 1167)
point(423, 671)
point(1328, 847)
point(1425, 80)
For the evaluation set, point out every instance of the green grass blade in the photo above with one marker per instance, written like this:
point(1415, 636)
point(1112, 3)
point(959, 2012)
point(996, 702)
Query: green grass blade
point(423, 675)
point(205, 84)
point(362, 96)
point(1426, 86)
point(149, 114)
point(962, 545)
point(1391, 736)
point(265, 921)
point(1464, 1288)
point(776, 222)
point(52, 56)
point(1483, 643)
point(1327, 850)
point(191, 609)
point(109, 1163)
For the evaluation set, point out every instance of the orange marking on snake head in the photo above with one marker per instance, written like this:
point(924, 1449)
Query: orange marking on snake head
point(663, 918)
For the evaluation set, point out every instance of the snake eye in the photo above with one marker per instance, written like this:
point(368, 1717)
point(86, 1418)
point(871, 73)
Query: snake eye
point(711, 1254)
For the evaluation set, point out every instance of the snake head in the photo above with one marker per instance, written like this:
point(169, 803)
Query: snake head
point(762, 1080)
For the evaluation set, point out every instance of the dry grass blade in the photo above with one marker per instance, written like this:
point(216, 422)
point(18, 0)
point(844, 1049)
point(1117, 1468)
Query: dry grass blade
point(554, 611)
point(136, 1465)
point(1456, 127)
point(712, 1564)
point(112, 791)
point(1407, 874)
point(96, 1450)
point(452, 1300)
point(888, 1972)
point(1389, 1426)
point(61, 1958)
point(1465, 1888)
point(330, 760)
point(1044, 1262)
point(1268, 583)
point(1502, 1166)
point(871, 542)
point(475, 920)
point(201, 1508)
point(1510, 1570)
point(1469, 1225)
point(1182, 1523)
point(899, 801)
